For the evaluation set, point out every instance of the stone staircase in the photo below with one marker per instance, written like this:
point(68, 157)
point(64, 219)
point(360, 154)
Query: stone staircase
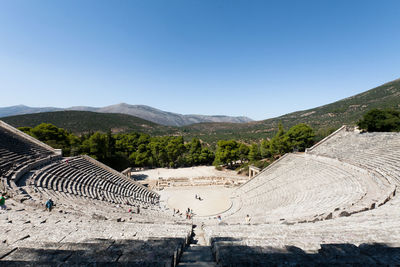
point(197, 253)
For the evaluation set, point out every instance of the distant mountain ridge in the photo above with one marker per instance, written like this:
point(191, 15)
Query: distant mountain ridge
point(140, 111)
point(330, 116)
point(81, 122)
point(22, 109)
point(322, 119)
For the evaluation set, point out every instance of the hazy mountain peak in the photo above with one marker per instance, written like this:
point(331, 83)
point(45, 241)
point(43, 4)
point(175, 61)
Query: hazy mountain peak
point(165, 117)
point(140, 111)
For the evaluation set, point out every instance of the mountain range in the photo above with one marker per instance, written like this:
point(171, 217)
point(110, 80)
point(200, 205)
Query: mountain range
point(322, 119)
point(141, 111)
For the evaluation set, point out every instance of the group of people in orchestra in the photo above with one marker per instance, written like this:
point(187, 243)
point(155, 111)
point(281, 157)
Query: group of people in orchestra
point(189, 213)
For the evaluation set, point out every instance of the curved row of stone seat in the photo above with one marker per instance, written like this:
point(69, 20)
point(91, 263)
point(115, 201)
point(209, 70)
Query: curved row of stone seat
point(302, 187)
point(137, 190)
point(8, 158)
point(85, 205)
point(121, 182)
point(68, 177)
point(13, 180)
point(376, 152)
point(85, 193)
point(17, 154)
point(268, 241)
point(12, 144)
point(33, 236)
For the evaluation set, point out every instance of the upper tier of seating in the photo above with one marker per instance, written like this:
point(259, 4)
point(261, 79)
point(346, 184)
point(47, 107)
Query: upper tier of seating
point(300, 187)
point(19, 153)
point(17, 148)
point(347, 173)
point(376, 152)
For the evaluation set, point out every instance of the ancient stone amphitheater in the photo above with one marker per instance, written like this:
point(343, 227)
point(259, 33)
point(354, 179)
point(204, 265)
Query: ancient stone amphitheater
point(336, 204)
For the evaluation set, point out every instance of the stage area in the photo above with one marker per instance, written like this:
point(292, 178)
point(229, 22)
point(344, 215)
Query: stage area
point(215, 199)
point(190, 172)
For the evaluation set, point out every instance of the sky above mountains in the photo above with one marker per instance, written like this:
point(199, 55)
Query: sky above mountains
point(258, 59)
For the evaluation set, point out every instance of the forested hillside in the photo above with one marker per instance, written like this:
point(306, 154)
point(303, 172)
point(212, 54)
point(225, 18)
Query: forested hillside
point(81, 122)
point(322, 119)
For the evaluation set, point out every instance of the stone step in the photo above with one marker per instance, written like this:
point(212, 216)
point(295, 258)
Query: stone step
point(197, 264)
point(197, 248)
point(197, 254)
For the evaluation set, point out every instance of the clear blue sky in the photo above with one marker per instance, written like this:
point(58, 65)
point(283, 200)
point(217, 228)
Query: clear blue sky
point(254, 58)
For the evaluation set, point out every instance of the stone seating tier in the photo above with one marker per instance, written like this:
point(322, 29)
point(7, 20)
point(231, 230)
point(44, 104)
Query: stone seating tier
point(373, 151)
point(74, 176)
point(12, 145)
point(84, 236)
point(279, 242)
point(18, 153)
point(304, 187)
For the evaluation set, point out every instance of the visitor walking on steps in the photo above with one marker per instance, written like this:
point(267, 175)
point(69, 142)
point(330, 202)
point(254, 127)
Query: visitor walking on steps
point(49, 204)
point(3, 202)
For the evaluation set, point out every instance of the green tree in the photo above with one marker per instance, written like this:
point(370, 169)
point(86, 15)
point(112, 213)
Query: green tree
point(126, 143)
point(26, 130)
point(142, 156)
point(110, 145)
point(206, 156)
point(175, 150)
point(144, 139)
point(54, 137)
point(279, 144)
point(194, 152)
point(159, 152)
point(254, 153)
point(47, 131)
point(300, 137)
point(75, 144)
point(96, 146)
point(227, 152)
point(265, 149)
point(377, 120)
point(243, 152)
